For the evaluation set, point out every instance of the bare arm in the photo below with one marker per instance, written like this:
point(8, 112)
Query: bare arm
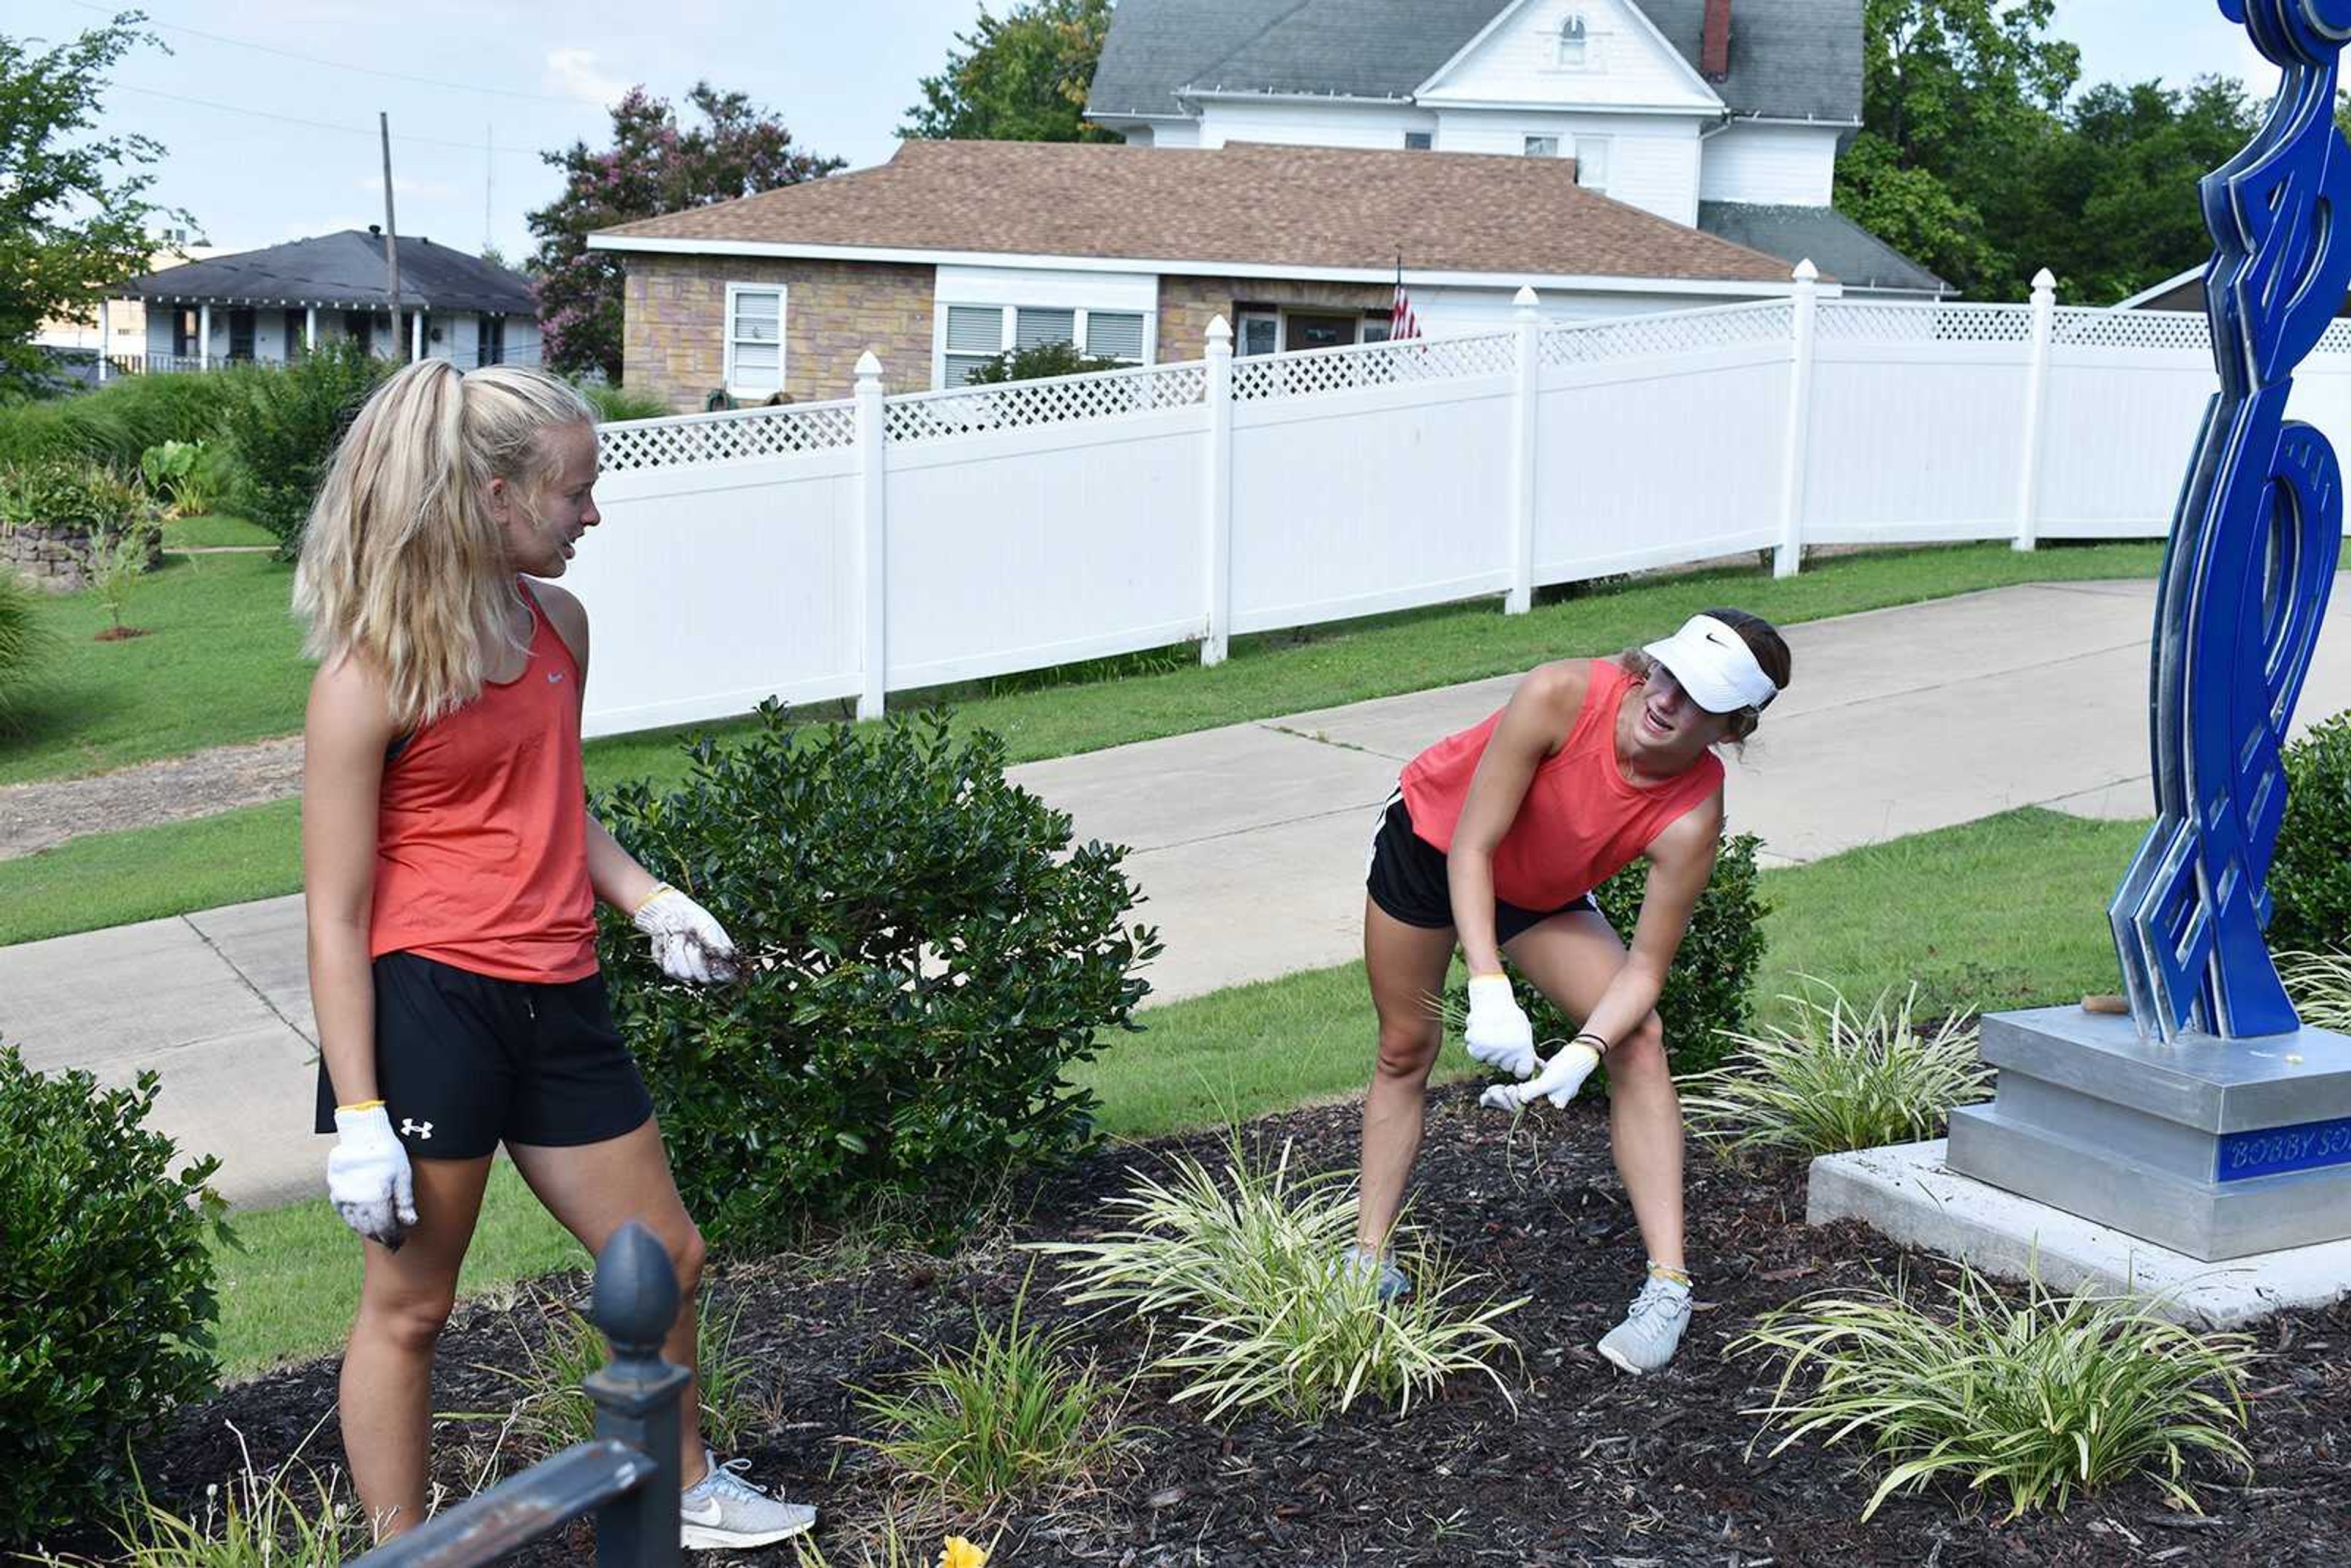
point(615, 875)
point(1681, 859)
point(1535, 725)
point(344, 737)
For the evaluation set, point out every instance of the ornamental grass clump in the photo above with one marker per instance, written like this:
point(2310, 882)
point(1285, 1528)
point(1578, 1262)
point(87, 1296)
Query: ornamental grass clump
point(290, 1516)
point(2320, 985)
point(1245, 1264)
point(1837, 1078)
point(1015, 1415)
point(2031, 1399)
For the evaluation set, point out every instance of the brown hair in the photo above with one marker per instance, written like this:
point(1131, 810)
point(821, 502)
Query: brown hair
point(1763, 640)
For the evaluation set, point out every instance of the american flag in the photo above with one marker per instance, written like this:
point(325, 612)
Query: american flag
point(1402, 322)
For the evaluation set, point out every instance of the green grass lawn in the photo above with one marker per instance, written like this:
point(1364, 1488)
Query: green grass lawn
point(141, 873)
point(1999, 912)
point(210, 533)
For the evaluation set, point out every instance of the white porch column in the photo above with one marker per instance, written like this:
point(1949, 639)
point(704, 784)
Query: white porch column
point(204, 337)
point(1528, 321)
point(2036, 398)
point(309, 329)
point(416, 337)
point(1217, 513)
point(1807, 299)
point(874, 534)
point(104, 335)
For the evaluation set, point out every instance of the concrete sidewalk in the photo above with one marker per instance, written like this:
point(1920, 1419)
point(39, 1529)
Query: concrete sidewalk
point(1248, 841)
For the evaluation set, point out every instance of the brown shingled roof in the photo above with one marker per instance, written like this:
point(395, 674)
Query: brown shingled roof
point(1241, 204)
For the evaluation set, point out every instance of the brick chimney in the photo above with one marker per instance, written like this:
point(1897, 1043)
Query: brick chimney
point(1714, 50)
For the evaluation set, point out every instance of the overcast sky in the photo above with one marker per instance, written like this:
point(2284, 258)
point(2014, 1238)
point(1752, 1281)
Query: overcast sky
point(267, 107)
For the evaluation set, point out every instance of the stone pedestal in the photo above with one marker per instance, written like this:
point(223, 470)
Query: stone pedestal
point(2212, 1148)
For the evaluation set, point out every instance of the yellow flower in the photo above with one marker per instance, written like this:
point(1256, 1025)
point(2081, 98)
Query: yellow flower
point(962, 1554)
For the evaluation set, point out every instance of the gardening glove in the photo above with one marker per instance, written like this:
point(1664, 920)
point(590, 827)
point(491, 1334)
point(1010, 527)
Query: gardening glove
point(688, 944)
point(1499, 1033)
point(1558, 1082)
point(367, 1176)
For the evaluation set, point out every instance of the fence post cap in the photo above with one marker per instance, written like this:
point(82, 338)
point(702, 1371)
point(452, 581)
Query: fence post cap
point(2045, 281)
point(1806, 272)
point(1526, 298)
point(868, 367)
point(636, 1294)
point(1219, 329)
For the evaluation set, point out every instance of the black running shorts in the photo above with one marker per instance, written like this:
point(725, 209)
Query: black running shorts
point(465, 1062)
point(1406, 877)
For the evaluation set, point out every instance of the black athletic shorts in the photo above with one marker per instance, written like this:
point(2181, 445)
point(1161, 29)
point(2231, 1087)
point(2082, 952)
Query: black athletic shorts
point(1406, 877)
point(465, 1062)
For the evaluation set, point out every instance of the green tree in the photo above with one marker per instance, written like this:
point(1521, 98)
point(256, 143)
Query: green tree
point(1957, 97)
point(652, 167)
point(74, 216)
point(1023, 78)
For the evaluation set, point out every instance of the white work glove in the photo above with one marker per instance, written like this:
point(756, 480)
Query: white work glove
point(688, 944)
point(1499, 1033)
point(1558, 1082)
point(367, 1176)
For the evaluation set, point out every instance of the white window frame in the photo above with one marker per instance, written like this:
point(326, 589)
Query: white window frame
point(1009, 315)
point(735, 388)
point(1427, 142)
point(1571, 47)
point(1607, 146)
point(1528, 149)
point(1240, 337)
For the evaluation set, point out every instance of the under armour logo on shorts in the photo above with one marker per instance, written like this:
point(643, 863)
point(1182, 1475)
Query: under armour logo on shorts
point(409, 1129)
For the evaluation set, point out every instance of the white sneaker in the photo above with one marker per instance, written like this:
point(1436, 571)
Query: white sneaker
point(1651, 1329)
point(722, 1512)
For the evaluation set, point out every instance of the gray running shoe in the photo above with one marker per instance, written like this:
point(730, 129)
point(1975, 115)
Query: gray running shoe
point(1392, 1286)
point(1651, 1329)
point(722, 1511)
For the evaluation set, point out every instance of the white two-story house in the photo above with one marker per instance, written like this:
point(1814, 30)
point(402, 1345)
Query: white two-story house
point(1721, 115)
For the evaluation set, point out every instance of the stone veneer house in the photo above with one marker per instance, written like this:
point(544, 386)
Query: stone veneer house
point(954, 252)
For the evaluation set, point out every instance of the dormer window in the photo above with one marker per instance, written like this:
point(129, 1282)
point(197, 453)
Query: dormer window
point(1574, 43)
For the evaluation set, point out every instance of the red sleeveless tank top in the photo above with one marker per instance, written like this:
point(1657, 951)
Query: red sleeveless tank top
point(482, 833)
point(1581, 824)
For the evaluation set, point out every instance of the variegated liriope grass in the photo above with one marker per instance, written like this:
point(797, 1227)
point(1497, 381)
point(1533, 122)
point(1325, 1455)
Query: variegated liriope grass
point(1245, 1266)
point(2033, 1400)
point(1837, 1077)
point(2320, 985)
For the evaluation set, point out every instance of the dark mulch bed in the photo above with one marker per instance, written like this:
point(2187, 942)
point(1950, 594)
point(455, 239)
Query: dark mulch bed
point(1595, 1467)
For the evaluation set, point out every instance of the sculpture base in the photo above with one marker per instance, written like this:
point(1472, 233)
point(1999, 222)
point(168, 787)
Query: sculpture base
point(2212, 1148)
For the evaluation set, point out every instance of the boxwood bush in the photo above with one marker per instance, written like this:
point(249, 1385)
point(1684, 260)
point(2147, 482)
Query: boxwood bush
point(2310, 880)
point(926, 953)
point(1707, 991)
point(106, 1290)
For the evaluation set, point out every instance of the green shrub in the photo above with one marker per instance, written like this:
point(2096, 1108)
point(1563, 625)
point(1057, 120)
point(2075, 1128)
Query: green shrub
point(191, 477)
point(73, 495)
point(2034, 1399)
point(2310, 880)
point(613, 403)
point(1036, 363)
point(24, 644)
point(1841, 1078)
point(926, 956)
point(285, 427)
point(106, 1288)
point(119, 421)
point(1707, 996)
point(1245, 1266)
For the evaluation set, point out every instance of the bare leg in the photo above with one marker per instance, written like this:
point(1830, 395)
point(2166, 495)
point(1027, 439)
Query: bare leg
point(1572, 958)
point(1407, 964)
point(387, 1381)
point(593, 1189)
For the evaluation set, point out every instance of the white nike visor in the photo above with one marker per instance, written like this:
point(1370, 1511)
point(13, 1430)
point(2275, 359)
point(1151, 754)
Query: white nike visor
point(1715, 666)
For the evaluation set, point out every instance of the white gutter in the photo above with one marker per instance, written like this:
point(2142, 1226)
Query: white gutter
point(1427, 276)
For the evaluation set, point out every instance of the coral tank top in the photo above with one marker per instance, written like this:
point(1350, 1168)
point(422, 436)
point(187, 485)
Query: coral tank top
point(482, 832)
point(1582, 822)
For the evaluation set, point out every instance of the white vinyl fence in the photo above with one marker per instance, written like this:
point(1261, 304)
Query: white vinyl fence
point(878, 544)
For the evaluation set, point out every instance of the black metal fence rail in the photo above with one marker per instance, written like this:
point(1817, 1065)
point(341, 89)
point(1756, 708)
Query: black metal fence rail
point(627, 1476)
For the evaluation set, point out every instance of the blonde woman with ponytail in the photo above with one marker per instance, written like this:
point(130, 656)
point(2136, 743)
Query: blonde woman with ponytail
point(451, 872)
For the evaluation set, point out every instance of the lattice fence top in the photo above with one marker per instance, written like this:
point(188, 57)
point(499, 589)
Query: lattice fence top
point(2336, 340)
point(1849, 321)
point(727, 437)
point(1671, 332)
point(1023, 405)
point(1311, 372)
point(2088, 328)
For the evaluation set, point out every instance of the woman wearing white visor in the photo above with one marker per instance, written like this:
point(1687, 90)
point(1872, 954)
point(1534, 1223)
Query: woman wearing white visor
point(1495, 841)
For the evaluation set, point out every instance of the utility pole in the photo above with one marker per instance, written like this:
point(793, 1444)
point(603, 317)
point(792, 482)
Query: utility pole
point(489, 179)
point(390, 236)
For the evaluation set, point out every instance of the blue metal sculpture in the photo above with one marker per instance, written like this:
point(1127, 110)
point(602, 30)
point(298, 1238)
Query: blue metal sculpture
point(2250, 560)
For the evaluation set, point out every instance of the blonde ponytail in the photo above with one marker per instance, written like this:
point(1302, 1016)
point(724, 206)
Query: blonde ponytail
point(401, 563)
